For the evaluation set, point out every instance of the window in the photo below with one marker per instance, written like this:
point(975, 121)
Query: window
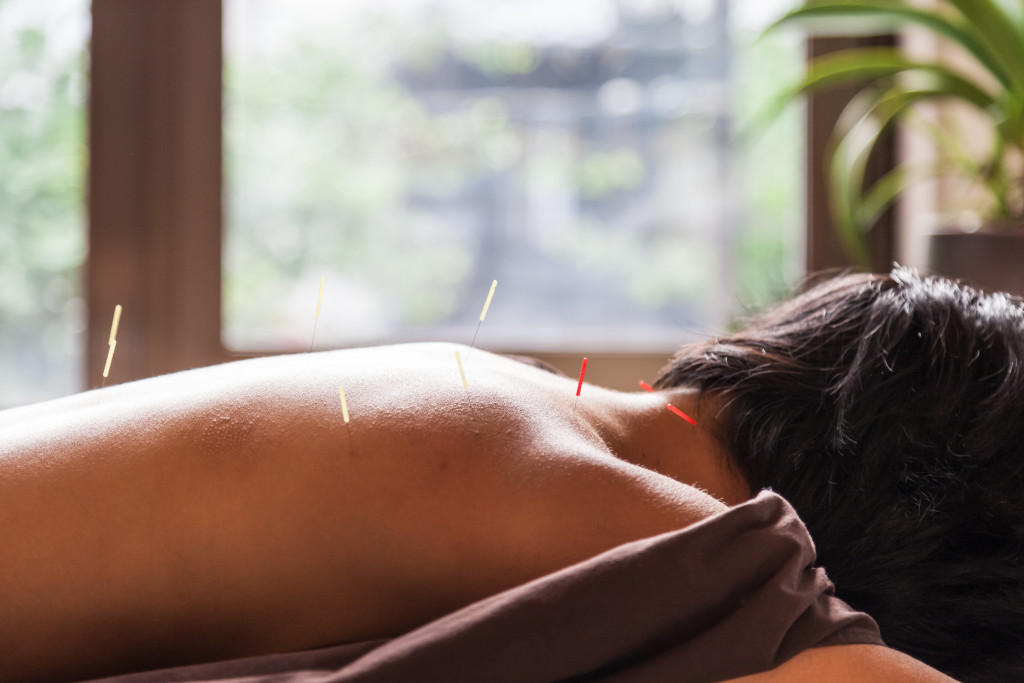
point(42, 226)
point(584, 154)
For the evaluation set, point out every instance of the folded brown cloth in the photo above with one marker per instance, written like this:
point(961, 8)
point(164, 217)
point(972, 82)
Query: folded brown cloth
point(732, 595)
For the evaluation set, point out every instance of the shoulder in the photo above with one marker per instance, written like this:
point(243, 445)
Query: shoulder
point(850, 663)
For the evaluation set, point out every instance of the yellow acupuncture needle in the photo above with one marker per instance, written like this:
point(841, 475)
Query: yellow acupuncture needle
point(487, 304)
point(462, 374)
point(320, 297)
point(483, 314)
point(316, 319)
point(110, 357)
point(111, 344)
point(114, 324)
point(344, 404)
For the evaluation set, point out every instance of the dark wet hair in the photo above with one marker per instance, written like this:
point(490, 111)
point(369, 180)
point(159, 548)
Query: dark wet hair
point(889, 410)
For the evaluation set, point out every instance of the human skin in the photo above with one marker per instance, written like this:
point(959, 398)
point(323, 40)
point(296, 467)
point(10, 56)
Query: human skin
point(230, 511)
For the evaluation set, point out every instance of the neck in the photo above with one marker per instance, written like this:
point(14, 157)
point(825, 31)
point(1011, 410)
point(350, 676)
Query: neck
point(639, 428)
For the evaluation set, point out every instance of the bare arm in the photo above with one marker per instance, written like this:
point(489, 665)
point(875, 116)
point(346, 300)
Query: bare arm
point(850, 664)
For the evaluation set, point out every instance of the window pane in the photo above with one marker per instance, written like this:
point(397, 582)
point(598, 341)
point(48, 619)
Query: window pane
point(42, 222)
point(581, 153)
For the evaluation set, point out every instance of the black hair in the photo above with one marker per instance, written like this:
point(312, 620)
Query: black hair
point(889, 410)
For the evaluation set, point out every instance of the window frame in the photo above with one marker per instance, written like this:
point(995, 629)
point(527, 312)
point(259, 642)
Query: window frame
point(154, 186)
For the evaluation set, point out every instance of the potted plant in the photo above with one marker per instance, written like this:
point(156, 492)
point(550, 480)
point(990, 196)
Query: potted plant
point(892, 85)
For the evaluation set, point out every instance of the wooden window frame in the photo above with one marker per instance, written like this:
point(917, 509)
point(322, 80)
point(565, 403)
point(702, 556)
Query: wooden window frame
point(155, 191)
point(155, 209)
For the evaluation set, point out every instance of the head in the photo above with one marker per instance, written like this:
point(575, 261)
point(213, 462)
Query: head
point(889, 410)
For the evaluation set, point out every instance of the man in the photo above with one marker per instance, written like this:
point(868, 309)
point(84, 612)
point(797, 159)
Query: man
point(231, 511)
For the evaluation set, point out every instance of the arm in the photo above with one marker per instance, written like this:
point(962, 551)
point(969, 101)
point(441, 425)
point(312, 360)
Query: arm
point(850, 664)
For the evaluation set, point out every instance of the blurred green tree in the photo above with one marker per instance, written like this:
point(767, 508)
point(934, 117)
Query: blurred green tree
point(42, 225)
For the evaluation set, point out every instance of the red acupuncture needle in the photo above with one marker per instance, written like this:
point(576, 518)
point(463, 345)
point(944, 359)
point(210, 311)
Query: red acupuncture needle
point(583, 371)
point(682, 414)
point(647, 387)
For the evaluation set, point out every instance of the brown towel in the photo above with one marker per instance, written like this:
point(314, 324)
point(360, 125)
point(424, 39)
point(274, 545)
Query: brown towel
point(732, 595)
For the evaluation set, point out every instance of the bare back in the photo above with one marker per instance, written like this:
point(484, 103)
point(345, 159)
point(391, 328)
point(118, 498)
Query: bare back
point(189, 517)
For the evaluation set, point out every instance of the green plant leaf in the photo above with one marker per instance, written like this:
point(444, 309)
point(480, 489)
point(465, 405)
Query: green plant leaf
point(863, 121)
point(845, 219)
point(1001, 29)
point(887, 188)
point(846, 157)
point(890, 84)
point(857, 132)
point(1015, 10)
point(950, 26)
point(869, 64)
point(841, 209)
point(885, 108)
point(872, 64)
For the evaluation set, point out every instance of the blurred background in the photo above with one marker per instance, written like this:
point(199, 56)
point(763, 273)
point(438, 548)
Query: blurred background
point(204, 164)
point(581, 153)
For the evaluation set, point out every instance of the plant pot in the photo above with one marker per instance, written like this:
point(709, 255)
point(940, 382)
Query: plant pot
point(991, 258)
